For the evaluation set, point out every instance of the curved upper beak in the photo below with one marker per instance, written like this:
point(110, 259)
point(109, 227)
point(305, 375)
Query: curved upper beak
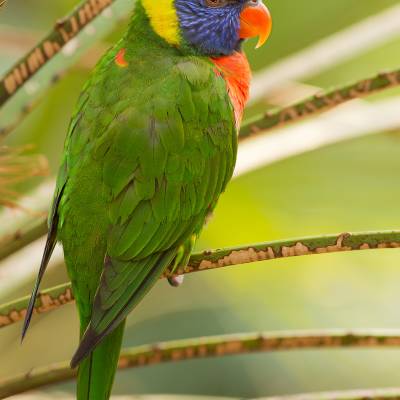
point(255, 20)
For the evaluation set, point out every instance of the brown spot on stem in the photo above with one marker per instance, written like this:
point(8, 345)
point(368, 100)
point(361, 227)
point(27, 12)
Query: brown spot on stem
point(299, 249)
point(46, 303)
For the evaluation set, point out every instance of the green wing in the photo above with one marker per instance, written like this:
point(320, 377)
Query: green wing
point(165, 161)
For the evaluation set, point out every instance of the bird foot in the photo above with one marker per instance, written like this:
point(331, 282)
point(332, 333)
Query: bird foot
point(176, 281)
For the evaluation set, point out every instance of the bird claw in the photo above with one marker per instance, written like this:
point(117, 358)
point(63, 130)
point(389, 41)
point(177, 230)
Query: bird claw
point(176, 281)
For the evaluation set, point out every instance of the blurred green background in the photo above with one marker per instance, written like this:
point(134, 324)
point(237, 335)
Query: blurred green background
point(344, 187)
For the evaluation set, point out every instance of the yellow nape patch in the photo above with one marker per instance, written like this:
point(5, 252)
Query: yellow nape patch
point(163, 19)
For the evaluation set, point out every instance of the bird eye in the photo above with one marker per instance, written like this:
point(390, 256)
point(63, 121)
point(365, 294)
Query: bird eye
point(216, 3)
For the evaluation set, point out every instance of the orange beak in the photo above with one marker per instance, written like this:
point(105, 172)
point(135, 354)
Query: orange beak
point(255, 20)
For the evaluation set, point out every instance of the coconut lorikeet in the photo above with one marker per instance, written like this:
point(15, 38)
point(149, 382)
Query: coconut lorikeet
point(151, 146)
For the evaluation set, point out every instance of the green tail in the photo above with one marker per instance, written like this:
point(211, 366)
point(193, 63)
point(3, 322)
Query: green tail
point(96, 373)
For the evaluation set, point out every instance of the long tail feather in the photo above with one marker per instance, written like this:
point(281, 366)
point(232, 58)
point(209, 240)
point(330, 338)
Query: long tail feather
point(96, 373)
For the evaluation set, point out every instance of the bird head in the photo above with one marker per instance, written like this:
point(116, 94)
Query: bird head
point(209, 27)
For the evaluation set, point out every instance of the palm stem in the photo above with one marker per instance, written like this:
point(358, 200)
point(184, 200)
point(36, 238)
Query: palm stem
point(318, 103)
point(53, 298)
point(207, 347)
point(63, 32)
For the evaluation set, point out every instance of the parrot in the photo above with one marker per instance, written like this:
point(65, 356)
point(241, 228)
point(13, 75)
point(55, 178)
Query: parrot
point(151, 146)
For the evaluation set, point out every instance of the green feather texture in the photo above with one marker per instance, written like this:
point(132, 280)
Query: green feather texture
point(151, 146)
